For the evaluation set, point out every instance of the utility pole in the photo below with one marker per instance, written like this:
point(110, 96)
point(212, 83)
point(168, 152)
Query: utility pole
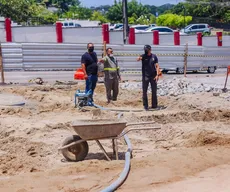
point(125, 21)
point(184, 15)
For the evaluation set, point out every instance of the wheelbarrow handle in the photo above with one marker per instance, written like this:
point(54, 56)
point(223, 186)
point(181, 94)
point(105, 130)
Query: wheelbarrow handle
point(71, 144)
point(137, 129)
point(140, 123)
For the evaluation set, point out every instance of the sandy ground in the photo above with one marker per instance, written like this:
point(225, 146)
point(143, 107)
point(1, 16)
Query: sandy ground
point(189, 153)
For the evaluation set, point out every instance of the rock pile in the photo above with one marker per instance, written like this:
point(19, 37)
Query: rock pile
point(174, 87)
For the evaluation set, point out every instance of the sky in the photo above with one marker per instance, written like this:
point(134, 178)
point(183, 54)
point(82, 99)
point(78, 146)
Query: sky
point(89, 3)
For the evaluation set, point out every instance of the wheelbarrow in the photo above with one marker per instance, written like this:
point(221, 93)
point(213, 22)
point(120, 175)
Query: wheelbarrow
point(75, 147)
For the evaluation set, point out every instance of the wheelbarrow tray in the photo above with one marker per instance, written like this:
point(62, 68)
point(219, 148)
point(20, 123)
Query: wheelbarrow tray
point(98, 129)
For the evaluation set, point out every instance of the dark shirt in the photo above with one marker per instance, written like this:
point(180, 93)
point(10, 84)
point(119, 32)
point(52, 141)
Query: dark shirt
point(149, 65)
point(90, 61)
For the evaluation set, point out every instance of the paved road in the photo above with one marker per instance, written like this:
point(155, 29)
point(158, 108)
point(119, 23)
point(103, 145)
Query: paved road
point(52, 76)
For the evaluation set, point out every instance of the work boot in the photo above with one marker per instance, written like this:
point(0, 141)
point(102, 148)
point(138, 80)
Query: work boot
point(146, 108)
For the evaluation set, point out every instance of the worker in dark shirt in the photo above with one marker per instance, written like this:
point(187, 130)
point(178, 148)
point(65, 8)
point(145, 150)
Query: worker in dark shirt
point(90, 68)
point(150, 74)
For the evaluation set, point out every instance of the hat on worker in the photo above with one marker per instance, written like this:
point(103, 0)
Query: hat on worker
point(147, 47)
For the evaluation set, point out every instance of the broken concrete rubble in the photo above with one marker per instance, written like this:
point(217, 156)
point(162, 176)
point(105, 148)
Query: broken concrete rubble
point(175, 87)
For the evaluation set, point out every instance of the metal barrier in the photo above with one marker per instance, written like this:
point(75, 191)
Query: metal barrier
point(12, 56)
point(38, 56)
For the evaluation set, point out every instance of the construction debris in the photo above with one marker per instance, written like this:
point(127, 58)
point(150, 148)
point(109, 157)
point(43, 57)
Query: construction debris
point(175, 87)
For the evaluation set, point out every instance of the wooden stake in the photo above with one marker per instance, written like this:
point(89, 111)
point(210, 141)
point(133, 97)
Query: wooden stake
point(104, 48)
point(185, 59)
point(2, 67)
point(226, 80)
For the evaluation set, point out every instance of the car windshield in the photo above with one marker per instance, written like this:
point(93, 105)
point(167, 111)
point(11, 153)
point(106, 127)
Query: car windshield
point(118, 26)
point(148, 28)
point(141, 27)
point(187, 26)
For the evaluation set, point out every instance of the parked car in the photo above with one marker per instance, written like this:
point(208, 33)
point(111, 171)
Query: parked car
point(194, 28)
point(139, 28)
point(178, 70)
point(152, 25)
point(70, 24)
point(161, 29)
point(116, 27)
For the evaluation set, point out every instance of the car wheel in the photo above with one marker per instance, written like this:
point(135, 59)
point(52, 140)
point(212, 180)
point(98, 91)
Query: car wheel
point(211, 69)
point(179, 70)
point(165, 71)
point(206, 33)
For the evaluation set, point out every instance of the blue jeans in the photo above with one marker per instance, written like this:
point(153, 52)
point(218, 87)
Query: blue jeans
point(91, 83)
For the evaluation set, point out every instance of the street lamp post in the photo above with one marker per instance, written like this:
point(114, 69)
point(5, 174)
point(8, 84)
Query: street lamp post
point(125, 21)
point(184, 15)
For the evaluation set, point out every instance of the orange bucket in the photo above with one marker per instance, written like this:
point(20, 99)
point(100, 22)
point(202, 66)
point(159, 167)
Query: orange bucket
point(79, 74)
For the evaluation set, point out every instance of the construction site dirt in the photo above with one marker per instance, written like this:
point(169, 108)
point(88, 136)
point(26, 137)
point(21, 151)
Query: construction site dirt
point(189, 153)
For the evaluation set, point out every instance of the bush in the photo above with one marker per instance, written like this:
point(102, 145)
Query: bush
point(173, 20)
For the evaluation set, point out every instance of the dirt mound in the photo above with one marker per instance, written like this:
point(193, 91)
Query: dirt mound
point(205, 137)
point(193, 126)
point(165, 117)
point(20, 155)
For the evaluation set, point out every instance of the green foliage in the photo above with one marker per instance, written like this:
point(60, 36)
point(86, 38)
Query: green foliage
point(43, 15)
point(164, 8)
point(64, 5)
point(135, 11)
point(17, 10)
point(173, 20)
point(170, 15)
point(114, 14)
point(97, 16)
point(213, 9)
point(77, 13)
point(227, 16)
point(25, 10)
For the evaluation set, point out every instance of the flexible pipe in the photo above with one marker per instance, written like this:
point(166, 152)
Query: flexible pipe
point(123, 176)
point(14, 105)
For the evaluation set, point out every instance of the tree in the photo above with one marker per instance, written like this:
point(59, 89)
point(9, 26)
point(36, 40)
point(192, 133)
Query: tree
point(115, 12)
point(64, 5)
point(214, 9)
point(97, 16)
point(41, 15)
point(77, 13)
point(18, 11)
point(164, 8)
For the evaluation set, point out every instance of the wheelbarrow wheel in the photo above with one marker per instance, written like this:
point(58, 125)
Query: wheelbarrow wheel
point(76, 152)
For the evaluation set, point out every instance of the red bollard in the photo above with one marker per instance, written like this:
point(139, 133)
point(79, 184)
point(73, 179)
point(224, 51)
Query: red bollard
point(131, 36)
point(105, 33)
point(59, 33)
point(8, 30)
point(176, 38)
point(199, 39)
point(219, 38)
point(155, 37)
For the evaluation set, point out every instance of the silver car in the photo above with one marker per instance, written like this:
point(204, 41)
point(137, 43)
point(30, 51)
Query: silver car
point(194, 28)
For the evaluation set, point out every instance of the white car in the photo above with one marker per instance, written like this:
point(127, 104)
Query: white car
point(194, 28)
point(70, 24)
point(116, 27)
point(139, 28)
point(161, 29)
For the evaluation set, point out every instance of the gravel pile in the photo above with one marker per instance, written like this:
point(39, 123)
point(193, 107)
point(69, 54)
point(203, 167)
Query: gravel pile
point(174, 87)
